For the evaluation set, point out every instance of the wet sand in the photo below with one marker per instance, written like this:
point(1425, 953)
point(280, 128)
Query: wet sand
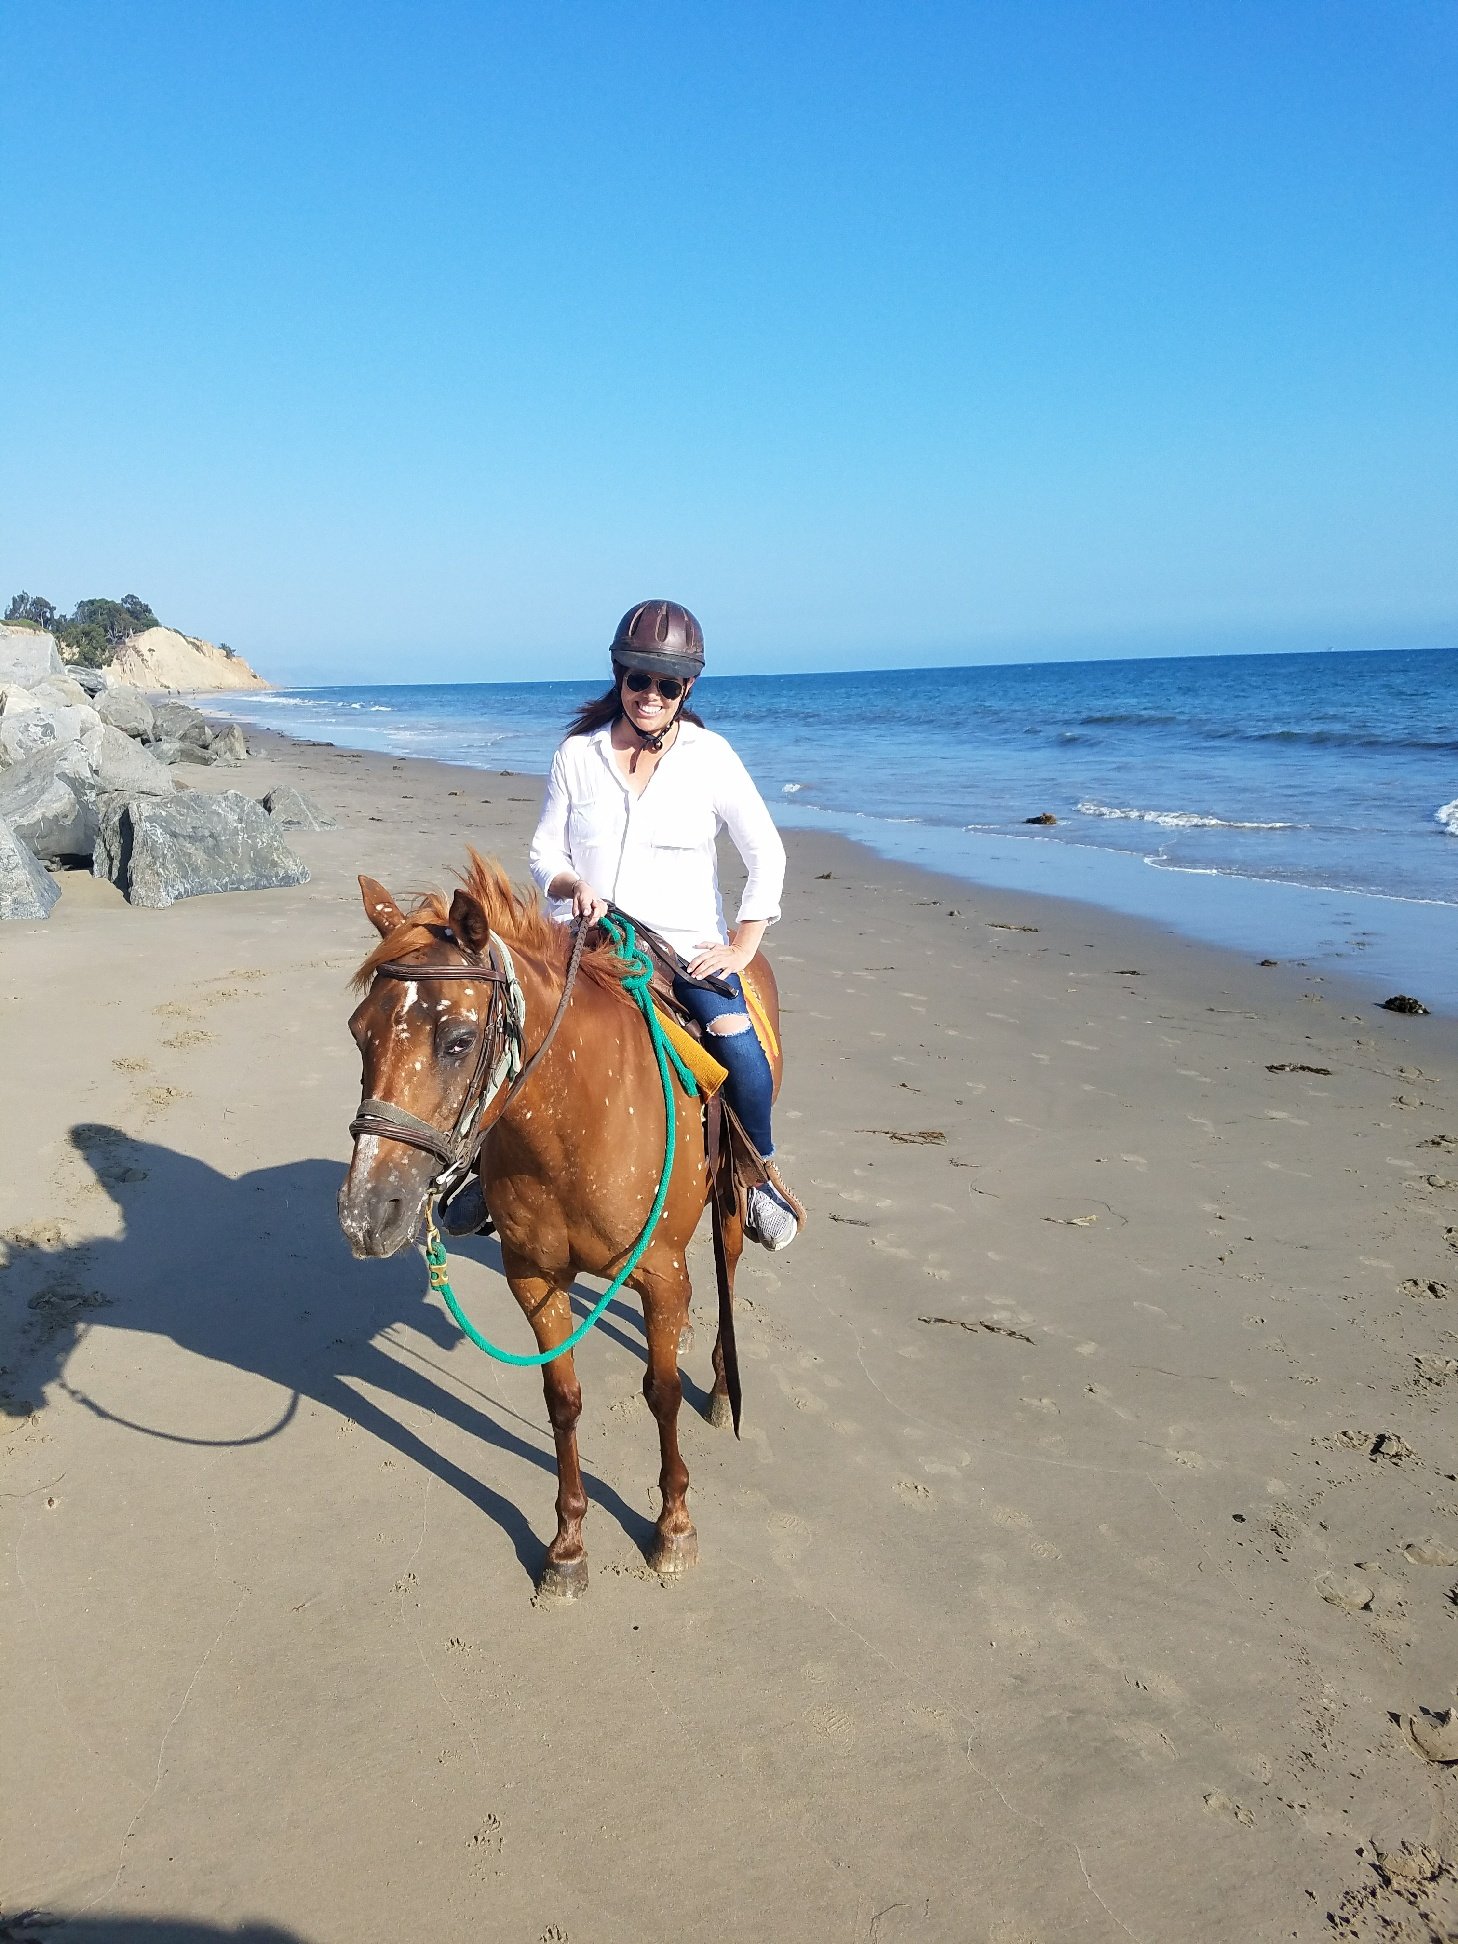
point(1095, 1514)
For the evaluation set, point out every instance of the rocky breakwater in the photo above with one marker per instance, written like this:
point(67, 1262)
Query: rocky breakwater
point(92, 771)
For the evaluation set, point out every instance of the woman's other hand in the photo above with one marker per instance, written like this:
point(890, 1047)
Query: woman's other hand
point(714, 959)
point(717, 961)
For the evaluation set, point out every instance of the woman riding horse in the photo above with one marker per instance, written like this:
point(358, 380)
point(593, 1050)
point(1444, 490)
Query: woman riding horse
point(637, 796)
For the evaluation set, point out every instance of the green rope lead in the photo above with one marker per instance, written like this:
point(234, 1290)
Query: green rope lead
point(636, 982)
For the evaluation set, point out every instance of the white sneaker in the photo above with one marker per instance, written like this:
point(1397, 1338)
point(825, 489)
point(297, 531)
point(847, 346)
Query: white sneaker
point(768, 1219)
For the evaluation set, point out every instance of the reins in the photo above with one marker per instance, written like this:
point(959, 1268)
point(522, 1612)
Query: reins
point(458, 1150)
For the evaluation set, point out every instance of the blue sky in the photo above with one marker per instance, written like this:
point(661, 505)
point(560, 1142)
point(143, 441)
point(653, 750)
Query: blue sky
point(417, 341)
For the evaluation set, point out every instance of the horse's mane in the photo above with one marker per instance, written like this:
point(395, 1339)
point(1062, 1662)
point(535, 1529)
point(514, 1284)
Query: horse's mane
point(514, 915)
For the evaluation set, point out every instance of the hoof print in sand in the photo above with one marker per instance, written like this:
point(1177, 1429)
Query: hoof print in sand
point(1433, 1736)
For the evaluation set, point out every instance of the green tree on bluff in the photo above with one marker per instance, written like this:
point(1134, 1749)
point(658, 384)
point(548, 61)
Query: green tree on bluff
point(93, 632)
point(33, 608)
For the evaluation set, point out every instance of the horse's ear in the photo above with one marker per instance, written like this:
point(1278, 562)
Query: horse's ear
point(468, 921)
point(380, 908)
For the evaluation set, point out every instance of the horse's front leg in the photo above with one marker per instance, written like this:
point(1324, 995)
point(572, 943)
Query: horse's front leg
point(549, 1312)
point(665, 1311)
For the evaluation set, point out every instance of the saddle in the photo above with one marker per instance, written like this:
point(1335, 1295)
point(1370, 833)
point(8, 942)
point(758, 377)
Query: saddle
point(735, 1164)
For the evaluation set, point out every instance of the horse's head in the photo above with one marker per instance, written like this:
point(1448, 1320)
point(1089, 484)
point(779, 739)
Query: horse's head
point(421, 1045)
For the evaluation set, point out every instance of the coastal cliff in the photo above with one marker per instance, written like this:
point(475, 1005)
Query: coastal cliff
point(162, 660)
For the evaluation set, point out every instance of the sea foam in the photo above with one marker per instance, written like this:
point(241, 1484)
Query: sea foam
point(1175, 819)
point(1446, 817)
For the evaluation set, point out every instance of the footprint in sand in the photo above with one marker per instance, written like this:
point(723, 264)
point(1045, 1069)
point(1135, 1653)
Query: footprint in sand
point(1218, 1803)
point(832, 1722)
point(911, 1491)
point(486, 1843)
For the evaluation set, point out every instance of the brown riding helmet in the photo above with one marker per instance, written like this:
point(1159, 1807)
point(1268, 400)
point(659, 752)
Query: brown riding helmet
point(661, 638)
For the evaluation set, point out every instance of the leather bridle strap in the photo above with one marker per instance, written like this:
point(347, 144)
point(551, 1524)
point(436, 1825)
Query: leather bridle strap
point(458, 1149)
point(390, 1123)
point(382, 1118)
point(403, 969)
point(579, 941)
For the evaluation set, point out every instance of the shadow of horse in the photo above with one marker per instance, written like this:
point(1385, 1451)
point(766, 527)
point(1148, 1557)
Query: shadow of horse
point(54, 1927)
point(254, 1273)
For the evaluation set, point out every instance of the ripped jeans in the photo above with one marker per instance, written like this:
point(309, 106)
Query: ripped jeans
point(750, 1085)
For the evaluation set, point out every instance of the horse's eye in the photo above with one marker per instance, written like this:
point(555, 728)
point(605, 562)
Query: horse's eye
point(457, 1042)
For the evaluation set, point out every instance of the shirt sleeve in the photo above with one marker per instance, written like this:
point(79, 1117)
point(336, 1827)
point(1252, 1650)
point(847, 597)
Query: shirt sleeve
point(548, 856)
point(742, 809)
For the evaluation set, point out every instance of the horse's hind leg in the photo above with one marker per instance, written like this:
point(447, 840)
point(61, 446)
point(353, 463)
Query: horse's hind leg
point(549, 1312)
point(665, 1308)
point(721, 1412)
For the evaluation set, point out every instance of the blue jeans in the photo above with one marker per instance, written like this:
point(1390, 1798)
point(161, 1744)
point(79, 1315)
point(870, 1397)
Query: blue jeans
point(750, 1085)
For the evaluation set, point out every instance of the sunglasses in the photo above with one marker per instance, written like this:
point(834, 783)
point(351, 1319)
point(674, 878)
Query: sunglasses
point(668, 686)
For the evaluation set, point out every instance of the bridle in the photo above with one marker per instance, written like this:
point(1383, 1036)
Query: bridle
point(500, 1057)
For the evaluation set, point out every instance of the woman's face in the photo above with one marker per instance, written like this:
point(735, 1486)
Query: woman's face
point(647, 709)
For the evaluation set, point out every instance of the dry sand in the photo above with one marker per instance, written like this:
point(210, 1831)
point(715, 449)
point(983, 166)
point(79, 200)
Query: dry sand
point(1094, 1518)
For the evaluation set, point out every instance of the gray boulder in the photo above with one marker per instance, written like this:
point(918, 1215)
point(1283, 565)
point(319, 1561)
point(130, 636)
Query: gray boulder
point(126, 709)
point(26, 891)
point(27, 656)
point(95, 681)
point(44, 807)
point(158, 849)
point(61, 691)
point(180, 722)
point(125, 767)
point(229, 745)
point(292, 810)
point(24, 731)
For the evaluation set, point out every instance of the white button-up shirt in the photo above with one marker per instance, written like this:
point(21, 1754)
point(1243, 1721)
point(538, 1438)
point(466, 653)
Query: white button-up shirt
point(654, 853)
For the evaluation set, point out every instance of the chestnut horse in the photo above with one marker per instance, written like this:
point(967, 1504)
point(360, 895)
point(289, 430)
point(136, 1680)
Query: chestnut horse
point(569, 1164)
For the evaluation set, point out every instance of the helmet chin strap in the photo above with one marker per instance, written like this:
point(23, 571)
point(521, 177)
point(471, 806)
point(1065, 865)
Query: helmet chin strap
point(653, 740)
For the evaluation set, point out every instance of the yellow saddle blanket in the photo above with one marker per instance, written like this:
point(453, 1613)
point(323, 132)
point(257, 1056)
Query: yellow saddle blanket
point(696, 1056)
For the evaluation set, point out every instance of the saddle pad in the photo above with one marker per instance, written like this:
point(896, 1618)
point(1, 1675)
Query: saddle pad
point(705, 1069)
point(764, 1032)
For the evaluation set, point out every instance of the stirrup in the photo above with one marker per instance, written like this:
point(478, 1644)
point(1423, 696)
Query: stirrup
point(466, 1212)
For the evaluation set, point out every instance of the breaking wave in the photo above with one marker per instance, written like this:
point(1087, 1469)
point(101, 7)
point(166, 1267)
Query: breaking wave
point(1446, 817)
point(1176, 819)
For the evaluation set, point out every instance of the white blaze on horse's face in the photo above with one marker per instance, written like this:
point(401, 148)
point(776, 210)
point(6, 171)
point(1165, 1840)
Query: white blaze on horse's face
point(419, 1056)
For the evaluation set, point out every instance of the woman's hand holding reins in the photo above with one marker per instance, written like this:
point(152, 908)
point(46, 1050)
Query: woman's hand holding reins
point(585, 901)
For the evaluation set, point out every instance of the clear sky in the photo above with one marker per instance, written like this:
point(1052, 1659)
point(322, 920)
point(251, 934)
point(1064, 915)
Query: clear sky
point(415, 341)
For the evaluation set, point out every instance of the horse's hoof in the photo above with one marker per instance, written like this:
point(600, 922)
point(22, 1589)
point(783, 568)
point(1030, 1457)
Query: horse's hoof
point(721, 1411)
point(675, 1552)
point(563, 1579)
point(685, 1339)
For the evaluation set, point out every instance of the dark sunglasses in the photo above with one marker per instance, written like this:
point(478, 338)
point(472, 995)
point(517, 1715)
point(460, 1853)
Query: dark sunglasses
point(668, 686)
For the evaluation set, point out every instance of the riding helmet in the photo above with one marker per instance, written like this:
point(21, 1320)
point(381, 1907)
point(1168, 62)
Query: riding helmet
point(661, 638)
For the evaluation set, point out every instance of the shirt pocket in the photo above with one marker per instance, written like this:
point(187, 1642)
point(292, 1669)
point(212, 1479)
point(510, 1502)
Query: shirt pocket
point(678, 828)
point(594, 820)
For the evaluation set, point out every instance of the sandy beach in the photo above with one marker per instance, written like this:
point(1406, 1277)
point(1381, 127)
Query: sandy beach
point(1092, 1536)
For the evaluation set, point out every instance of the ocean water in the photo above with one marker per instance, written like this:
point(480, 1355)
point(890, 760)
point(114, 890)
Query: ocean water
point(1308, 802)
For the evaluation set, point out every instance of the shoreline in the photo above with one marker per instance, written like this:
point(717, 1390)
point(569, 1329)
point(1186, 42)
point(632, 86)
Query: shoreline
point(1349, 984)
point(1096, 1509)
point(1397, 943)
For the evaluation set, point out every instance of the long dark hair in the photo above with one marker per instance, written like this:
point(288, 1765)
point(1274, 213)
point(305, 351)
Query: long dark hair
point(607, 708)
